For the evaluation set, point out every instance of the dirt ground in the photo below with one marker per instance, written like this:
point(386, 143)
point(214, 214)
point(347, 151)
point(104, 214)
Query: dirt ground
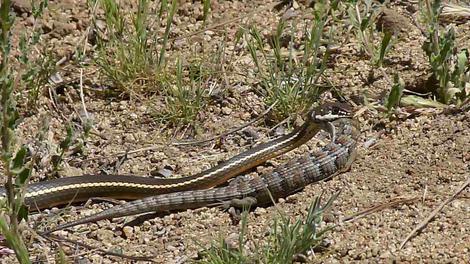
point(406, 167)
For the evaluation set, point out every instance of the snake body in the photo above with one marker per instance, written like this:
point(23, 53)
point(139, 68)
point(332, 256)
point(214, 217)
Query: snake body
point(161, 195)
point(283, 181)
point(66, 190)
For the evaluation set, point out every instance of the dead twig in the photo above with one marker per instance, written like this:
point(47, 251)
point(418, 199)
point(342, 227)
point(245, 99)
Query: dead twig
point(198, 142)
point(82, 96)
point(428, 219)
point(228, 132)
point(392, 203)
point(54, 238)
point(454, 13)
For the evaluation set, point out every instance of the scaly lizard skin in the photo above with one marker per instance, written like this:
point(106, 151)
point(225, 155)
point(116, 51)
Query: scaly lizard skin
point(287, 179)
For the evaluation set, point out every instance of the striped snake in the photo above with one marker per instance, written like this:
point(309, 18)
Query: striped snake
point(156, 194)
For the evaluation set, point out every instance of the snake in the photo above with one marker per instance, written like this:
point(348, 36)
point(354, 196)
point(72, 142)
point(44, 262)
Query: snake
point(249, 192)
point(67, 190)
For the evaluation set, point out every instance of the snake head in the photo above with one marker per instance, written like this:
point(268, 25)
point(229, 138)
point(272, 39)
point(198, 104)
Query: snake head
point(325, 114)
point(329, 112)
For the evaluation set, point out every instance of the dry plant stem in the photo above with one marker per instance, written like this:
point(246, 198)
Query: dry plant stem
point(52, 99)
point(465, 105)
point(379, 207)
point(228, 132)
point(82, 97)
point(198, 142)
point(54, 238)
point(54, 104)
point(83, 40)
point(287, 119)
point(453, 11)
point(389, 80)
point(363, 37)
point(428, 219)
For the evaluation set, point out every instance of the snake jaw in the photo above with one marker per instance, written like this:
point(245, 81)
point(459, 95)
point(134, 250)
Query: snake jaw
point(329, 112)
point(332, 130)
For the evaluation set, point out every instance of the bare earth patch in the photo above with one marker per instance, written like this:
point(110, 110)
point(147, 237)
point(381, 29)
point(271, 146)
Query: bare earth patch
point(413, 164)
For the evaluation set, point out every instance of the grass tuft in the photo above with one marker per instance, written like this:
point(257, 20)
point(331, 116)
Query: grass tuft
point(363, 16)
point(185, 94)
point(133, 57)
point(288, 76)
point(286, 241)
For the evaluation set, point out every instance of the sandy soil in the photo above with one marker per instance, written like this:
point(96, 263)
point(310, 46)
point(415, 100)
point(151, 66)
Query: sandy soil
point(408, 165)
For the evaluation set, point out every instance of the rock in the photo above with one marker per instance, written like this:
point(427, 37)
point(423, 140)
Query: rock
point(71, 171)
point(328, 217)
point(104, 235)
point(251, 133)
point(128, 231)
point(226, 110)
point(232, 241)
point(260, 211)
point(162, 172)
point(62, 29)
point(82, 261)
point(21, 6)
point(171, 248)
point(394, 22)
point(386, 255)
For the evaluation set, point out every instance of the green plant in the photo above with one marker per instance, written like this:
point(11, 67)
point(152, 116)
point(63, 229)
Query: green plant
point(396, 92)
point(15, 167)
point(450, 66)
point(133, 57)
point(27, 72)
point(362, 16)
point(223, 253)
point(206, 4)
point(71, 143)
point(63, 148)
point(286, 240)
point(286, 79)
point(35, 69)
point(185, 93)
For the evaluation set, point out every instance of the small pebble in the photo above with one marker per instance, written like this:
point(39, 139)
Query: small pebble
point(226, 110)
point(128, 231)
